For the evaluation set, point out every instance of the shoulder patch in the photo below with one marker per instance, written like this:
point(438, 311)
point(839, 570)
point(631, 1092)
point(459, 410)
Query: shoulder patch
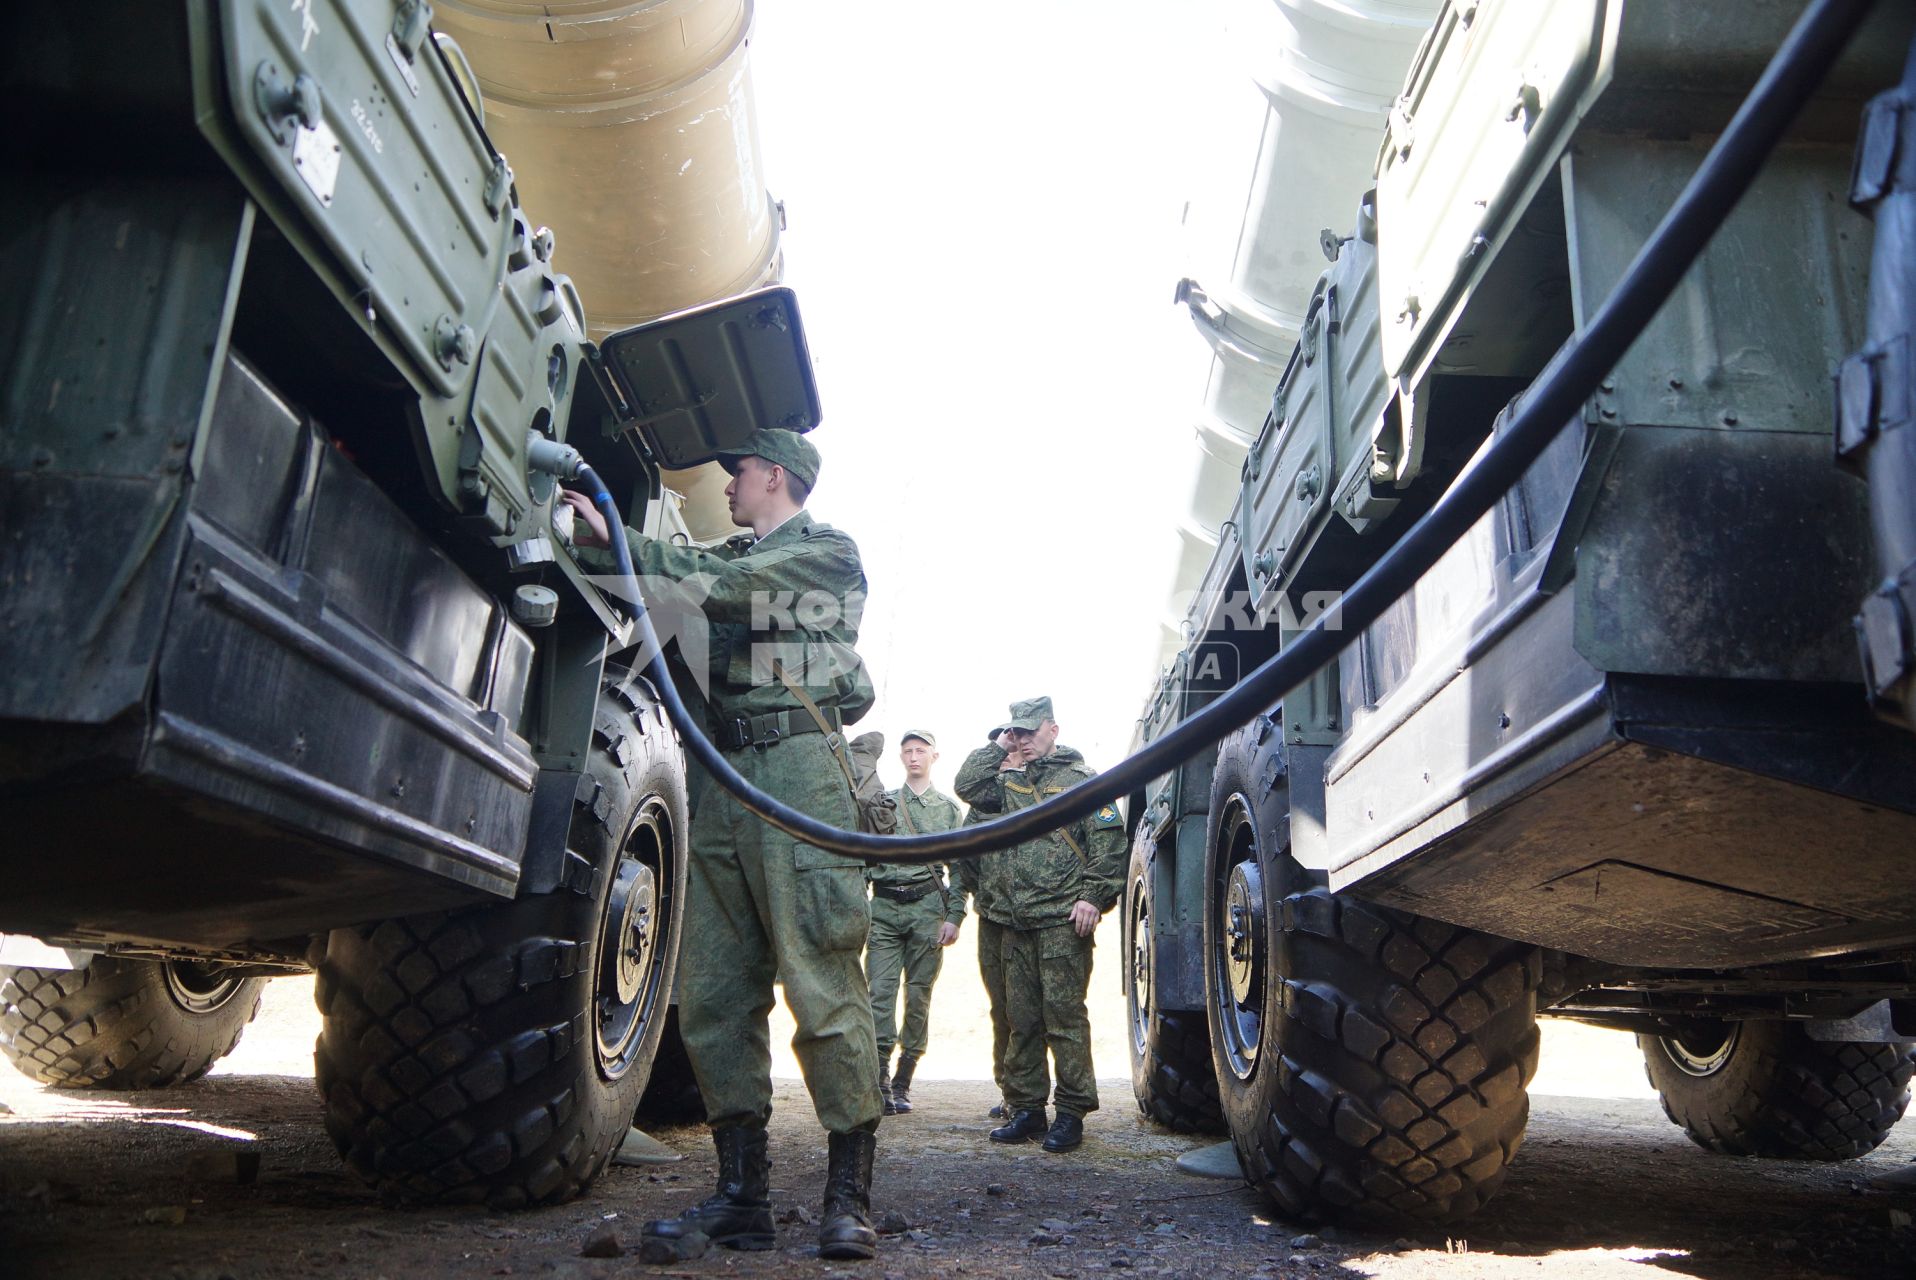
point(1108, 817)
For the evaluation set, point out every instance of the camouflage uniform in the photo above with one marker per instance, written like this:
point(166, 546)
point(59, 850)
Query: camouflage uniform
point(1028, 891)
point(905, 934)
point(991, 947)
point(760, 906)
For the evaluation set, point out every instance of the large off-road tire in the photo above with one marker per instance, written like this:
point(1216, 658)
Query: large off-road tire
point(1371, 1064)
point(496, 1054)
point(122, 1024)
point(1767, 1089)
point(1170, 1049)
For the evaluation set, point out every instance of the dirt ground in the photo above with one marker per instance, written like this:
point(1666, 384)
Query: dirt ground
point(143, 1185)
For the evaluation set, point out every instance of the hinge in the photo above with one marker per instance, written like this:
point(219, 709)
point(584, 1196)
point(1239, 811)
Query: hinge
point(1882, 163)
point(1873, 395)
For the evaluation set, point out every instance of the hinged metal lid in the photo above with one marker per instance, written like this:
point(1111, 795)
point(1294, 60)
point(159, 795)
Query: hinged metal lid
point(703, 380)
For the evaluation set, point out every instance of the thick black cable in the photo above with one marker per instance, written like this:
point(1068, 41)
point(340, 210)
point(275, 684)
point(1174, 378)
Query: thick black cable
point(1557, 394)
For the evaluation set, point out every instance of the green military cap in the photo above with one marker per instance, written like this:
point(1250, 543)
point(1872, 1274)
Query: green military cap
point(993, 735)
point(788, 449)
point(921, 735)
point(1030, 714)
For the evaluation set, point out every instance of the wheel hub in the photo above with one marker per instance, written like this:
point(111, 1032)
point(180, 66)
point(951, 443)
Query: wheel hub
point(1244, 930)
point(629, 943)
point(1703, 1050)
point(198, 988)
point(1141, 976)
point(633, 934)
point(1237, 958)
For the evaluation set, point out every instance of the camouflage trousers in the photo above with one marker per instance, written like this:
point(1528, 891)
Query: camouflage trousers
point(904, 940)
point(760, 907)
point(991, 973)
point(1047, 973)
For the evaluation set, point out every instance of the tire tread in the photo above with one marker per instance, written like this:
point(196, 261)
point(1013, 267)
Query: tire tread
point(109, 1024)
point(1406, 1045)
point(1788, 1097)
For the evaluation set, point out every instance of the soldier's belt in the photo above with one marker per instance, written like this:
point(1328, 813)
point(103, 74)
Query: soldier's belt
point(736, 733)
point(906, 892)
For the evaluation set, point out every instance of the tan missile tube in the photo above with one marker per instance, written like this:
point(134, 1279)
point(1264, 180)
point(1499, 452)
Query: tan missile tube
point(629, 126)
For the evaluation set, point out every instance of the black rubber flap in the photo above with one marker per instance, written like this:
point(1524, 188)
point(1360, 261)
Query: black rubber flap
point(704, 380)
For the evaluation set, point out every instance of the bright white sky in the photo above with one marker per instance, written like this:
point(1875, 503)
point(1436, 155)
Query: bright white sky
point(985, 209)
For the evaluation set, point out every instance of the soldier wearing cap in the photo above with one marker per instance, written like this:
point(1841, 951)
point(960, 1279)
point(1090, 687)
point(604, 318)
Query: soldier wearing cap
point(760, 906)
point(1047, 896)
point(914, 916)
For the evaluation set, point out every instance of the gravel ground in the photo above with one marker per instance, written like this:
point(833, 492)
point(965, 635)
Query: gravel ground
point(150, 1184)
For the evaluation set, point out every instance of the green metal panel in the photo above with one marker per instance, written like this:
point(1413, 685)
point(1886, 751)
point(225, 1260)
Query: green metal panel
point(1750, 340)
point(1502, 89)
point(405, 211)
point(120, 293)
point(1721, 541)
point(1723, 554)
point(123, 293)
point(1491, 99)
point(348, 126)
point(1320, 457)
point(706, 379)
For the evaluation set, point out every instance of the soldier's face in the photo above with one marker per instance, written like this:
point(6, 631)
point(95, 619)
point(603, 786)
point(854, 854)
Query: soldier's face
point(917, 758)
point(750, 489)
point(1035, 744)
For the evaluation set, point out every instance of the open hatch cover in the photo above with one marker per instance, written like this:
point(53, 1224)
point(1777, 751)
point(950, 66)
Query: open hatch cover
point(699, 381)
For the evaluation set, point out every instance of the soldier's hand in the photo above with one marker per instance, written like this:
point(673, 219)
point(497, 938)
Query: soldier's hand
point(590, 531)
point(1084, 918)
point(947, 933)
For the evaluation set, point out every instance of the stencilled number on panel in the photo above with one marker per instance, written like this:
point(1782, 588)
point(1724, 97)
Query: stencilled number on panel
point(364, 120)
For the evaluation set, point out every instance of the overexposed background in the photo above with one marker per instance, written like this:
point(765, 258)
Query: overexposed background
point(987, 216)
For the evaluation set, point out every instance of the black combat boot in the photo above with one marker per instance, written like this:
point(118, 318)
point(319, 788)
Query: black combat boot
point(739, 1214)
point(1067, 1133)
point(1022, 1127)
point(845, 1228)
point(901, 1084)
point(885, 1084)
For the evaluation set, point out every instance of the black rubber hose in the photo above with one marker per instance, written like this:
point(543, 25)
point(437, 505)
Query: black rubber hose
point(622, 552)
point(1557, 394)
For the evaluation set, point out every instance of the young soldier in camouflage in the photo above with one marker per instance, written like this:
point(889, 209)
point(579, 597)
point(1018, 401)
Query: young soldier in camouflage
point(759, 906)
point(1048, 895)
point(914, 916)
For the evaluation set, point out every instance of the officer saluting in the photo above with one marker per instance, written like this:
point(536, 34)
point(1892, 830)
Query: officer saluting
point(1047, 895)
point(759, 905)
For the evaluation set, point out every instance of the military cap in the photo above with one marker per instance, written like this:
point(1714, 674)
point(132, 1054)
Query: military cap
point(787, 449)
point(1030, 714)
point(921, 735)
point(993, 735)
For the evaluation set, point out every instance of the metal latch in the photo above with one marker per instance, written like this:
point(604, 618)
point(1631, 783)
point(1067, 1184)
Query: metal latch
point(1873, 395)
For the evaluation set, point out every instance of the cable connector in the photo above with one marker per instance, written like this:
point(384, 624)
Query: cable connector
point(553, 458)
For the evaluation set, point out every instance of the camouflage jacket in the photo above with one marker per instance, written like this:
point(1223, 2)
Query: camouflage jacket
point(794, 597)
point(964, 872)
point(1033, 885)
point(922, 815)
